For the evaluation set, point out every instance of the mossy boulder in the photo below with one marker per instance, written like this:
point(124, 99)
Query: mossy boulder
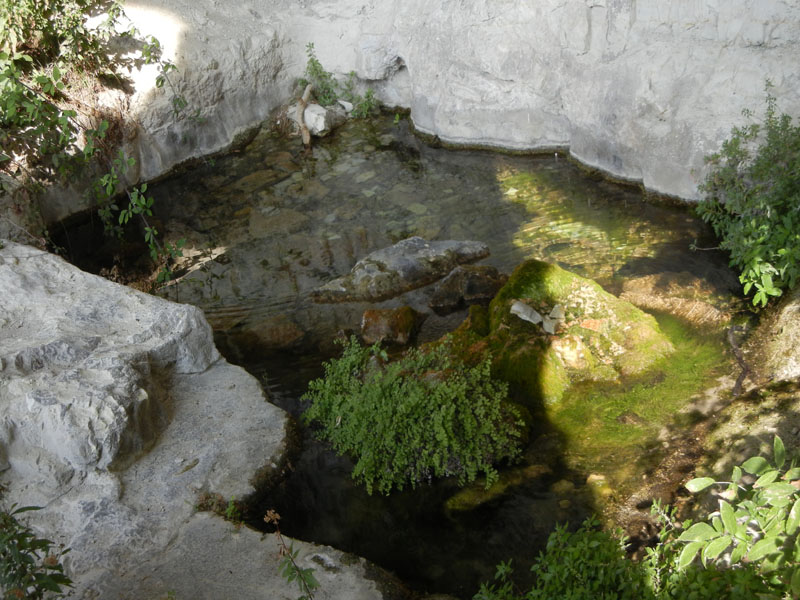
point(549, 328)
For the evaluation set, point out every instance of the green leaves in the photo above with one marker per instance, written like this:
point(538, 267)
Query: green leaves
point(751, 194)
point(761, 520)
point(699, 484)
point(29, 564)
point(328, 90)
point(425, 415)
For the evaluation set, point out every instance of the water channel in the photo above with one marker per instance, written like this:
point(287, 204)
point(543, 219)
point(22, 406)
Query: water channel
point(268, 223)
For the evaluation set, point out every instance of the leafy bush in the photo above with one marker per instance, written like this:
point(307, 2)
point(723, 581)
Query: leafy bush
point(751, 200)
point(30, 566)
point(423, 416)
point(588, 564)
point(328, 90)
point(51, 53)
point(749, 548)
point(757, 523)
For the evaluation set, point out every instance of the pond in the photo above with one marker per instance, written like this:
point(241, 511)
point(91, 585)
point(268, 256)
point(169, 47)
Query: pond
point(269, 223)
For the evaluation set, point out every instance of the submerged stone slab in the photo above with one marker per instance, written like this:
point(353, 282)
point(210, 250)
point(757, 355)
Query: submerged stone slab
point(389, 272)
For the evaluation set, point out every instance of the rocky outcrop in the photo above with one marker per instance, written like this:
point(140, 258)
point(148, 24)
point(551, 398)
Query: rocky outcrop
point(409, 264)
point(548, 328)
point(640, 89)
point(116, 412)
point(774, 349)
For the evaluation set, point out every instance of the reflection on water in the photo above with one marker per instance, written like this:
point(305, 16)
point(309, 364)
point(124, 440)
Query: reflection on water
point(266, 225)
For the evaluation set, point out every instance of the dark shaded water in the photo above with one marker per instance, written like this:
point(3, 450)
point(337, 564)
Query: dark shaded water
point(412, 533)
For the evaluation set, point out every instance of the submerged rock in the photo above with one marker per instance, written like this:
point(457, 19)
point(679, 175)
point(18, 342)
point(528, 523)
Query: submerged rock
point(465, 286)
point(116, 412)
point(477, 494)
point(389, 272)
point(549, 328)
point(394, 325)
point(678, 293)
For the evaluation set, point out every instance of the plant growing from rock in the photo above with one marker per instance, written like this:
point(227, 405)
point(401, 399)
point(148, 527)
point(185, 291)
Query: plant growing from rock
point(30, 566)
point(52, 128)
point(425, 415)
point(289, 568)
point(328, 89)
point(748, 548)
point(751, 198)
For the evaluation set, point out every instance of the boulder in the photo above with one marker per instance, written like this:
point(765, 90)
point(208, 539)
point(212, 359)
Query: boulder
point(408, 265)
point(549, 328)
point(116, 413)
point(464, 286)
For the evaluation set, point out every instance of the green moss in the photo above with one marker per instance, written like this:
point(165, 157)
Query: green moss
point(600, 338)
point(540, 282)
point(477, 494)
point(608, 426)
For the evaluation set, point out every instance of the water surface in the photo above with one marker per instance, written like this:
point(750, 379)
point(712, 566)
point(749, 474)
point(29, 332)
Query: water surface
point(266, 225)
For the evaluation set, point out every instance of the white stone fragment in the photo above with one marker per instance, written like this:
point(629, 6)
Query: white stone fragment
point(525, 312)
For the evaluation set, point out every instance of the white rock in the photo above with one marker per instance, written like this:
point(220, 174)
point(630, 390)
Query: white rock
point(116, 411)
point(525, 312)
point(319, 119)
point(642, 89)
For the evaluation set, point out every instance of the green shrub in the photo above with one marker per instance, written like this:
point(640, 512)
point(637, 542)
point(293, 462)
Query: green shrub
point(752, 194)
point(749, 548)
point(52, 52)
point(423, 416)
point(30, 566)
point(588, 564)
point(328, 90)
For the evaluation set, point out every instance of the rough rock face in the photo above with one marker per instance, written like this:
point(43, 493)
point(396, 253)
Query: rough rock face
point(774, 350)
point(642, 89)
point(116, 411)
point(548, 328)
point(389, 272)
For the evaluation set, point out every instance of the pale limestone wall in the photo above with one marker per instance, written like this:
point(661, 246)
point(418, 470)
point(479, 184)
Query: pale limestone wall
point(643, 89)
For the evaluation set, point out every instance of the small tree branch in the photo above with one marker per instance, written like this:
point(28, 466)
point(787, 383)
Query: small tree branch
point(301, 119)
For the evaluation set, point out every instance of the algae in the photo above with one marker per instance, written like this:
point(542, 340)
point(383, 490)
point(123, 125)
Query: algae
point(598, 337)
point(612, 427)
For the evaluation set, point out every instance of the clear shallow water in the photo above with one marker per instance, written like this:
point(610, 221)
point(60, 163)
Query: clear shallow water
point(266, 225)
